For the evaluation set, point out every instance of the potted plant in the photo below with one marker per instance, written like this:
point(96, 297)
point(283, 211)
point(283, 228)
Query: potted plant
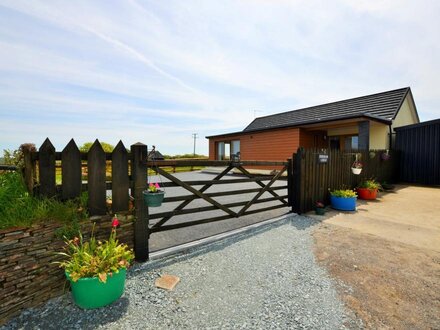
point(153, 196)
point(368, 189)
point(319, 208)
point(96, 270)
point(385, 156)
point(343, 199)
point(356, 167)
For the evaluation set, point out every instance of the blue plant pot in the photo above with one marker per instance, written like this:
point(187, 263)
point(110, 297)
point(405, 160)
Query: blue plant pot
point(343, 204)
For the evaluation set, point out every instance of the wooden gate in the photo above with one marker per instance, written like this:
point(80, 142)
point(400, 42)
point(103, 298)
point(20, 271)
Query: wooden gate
point(265, 183)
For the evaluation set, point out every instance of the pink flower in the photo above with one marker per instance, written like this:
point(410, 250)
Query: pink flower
point(157, 185)
point(115, 222)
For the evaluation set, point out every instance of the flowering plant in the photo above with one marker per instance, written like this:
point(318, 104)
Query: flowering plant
point(95, 258)
point(344, 193)
point(319, 204)
point(356, 164)
point(153, 187)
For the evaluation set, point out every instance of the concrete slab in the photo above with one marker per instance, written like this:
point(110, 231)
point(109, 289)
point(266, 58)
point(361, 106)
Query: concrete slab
point(409, 215)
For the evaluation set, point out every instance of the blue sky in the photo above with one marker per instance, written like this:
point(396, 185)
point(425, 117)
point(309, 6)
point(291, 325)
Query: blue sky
point(158, 71)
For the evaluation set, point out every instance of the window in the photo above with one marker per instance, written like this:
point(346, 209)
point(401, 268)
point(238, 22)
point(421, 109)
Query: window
point(220, 150)
point(235, 147)
point(351, 142)
point(226, 149)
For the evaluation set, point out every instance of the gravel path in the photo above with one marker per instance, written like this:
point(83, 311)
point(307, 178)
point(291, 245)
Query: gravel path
point(267, 280)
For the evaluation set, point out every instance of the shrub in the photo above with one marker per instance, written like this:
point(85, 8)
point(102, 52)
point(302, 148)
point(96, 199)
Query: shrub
point(344, 193)
point(19, 208)
point(370, 184)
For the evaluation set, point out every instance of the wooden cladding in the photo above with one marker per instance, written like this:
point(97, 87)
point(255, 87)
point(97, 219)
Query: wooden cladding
point(312, 180)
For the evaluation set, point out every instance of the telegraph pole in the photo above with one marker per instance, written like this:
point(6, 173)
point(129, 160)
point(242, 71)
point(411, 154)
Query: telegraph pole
point(195, 136)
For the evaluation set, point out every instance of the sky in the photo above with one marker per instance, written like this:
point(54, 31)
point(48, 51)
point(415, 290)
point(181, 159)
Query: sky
point(158, 71)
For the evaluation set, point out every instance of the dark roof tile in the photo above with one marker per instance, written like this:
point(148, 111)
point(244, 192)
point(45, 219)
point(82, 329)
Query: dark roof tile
point(382, 106)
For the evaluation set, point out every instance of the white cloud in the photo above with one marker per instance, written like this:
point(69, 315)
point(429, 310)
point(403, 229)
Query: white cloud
point(203, 67)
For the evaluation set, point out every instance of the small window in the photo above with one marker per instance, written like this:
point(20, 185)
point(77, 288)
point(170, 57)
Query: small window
point(220, 150)
point(351, 142)
point(235, 147)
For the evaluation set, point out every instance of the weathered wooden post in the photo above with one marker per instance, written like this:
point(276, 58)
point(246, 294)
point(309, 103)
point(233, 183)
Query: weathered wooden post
point(290, 181)
point(96, 179)
point(29, 166)
point(297, 178)
point(139, 154)
point(47, 169)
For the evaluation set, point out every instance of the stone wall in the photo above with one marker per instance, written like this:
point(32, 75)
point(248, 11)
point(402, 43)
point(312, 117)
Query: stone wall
point(28, 275)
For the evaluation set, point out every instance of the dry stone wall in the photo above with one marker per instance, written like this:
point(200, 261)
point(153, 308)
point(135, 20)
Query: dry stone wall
point(28, 274)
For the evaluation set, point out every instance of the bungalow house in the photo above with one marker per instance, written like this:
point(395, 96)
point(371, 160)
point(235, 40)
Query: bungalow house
point(365, 122)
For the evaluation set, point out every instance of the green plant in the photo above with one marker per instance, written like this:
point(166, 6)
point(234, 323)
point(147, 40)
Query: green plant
point(19, 208)
point(95, 258)
point(153, 188)
point(344, 193)
point(16, 157)
point(107, 147)
point(369, 184)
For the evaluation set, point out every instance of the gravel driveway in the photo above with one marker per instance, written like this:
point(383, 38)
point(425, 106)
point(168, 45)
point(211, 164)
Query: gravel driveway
point(267, 279)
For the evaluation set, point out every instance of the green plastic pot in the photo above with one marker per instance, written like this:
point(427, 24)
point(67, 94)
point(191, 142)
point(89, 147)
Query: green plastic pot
point(320, 210)
point(89, 292)
point(153, 199)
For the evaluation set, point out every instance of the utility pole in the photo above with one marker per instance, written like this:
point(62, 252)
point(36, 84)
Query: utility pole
point(195, 136)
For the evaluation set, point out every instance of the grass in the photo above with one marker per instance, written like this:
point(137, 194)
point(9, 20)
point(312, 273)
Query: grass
point(19, 208)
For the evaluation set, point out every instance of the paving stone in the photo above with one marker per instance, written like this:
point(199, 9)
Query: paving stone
point(167, 282)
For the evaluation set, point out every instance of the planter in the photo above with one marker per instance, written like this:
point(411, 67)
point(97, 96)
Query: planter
point(356, 171)
point(89, 292)
point(320, 210)
point(153, 199)
point(367, 193)
point(343, 203)
point(385, 156)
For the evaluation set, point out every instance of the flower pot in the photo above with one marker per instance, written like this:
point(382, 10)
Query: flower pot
point(320, 210)
point(367, 193)
point(153, 199)
point(385, 156)
point(343, 203)
point(89, 292)
point(356, 171)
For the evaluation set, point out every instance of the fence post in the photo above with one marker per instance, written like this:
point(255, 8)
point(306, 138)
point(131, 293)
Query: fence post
point(29, 167)
point(139, 154)
point(297, 193)
point(290, 181)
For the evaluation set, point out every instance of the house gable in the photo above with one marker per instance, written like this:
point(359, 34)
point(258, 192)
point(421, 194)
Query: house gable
point(407, 113)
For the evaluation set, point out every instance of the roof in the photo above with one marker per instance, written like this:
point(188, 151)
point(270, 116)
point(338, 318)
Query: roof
point(422, 124)
point(155, 155)
point(381, 106)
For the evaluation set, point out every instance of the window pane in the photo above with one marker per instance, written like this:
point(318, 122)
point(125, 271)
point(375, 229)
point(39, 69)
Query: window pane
point(354, 142)
point(235, 145)
point(220, 150)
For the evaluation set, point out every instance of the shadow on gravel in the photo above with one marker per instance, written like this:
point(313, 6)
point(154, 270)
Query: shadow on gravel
point(303, 222)
point(62, 313)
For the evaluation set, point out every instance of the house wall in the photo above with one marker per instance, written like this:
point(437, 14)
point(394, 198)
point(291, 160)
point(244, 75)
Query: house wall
point(379, 136)
point(349, 130)
point(276, 145)
point(406, 115)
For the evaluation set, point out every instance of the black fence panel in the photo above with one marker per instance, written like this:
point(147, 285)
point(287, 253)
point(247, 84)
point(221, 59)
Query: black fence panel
point(419, 146)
